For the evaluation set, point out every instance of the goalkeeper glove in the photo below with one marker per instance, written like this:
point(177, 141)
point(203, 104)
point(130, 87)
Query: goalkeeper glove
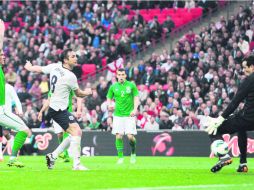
point(214, 124)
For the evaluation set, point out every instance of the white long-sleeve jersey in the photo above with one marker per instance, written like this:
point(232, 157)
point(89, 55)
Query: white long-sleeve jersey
point(11, 99)
point(62, 82)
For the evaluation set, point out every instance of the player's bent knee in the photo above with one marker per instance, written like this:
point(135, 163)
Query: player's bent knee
point(28, 132)
point(130, 136)
point(119, 136)
point(74, 132)
point(74, 129)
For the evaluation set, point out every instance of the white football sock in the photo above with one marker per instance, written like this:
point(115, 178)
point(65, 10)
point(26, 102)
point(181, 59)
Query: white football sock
point(61, 147)
point(75, 148)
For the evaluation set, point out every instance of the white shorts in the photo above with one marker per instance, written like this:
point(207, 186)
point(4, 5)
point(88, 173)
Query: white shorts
point(57, 127)
point(11, 121)
point(124, 125)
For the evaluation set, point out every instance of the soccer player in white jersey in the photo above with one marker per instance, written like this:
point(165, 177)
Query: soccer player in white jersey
point(61, 134)
point(8, 119)
point(62, 82)
point(9, 103)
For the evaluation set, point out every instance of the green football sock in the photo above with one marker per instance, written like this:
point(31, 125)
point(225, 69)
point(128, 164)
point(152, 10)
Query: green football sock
point(133, 146)
point(119, 147)
point(65, 135)
point(60, 139)
point(19, 140)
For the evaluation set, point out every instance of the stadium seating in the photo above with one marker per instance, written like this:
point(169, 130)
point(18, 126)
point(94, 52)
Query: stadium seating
point(251, 45)
point(88, 70)
point(180, 16)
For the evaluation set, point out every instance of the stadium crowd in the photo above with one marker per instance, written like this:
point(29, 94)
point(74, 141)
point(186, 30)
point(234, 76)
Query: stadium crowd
point(177, 89)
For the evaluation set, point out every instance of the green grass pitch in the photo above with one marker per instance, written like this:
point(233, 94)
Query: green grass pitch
point(148, 173)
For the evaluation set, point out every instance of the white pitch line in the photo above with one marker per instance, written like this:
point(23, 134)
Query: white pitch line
point(185, 187)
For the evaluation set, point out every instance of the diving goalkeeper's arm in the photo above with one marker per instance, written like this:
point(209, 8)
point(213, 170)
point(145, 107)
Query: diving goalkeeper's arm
point(241, 94)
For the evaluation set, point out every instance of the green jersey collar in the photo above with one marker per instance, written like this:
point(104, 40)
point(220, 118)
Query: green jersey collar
point(122, 83)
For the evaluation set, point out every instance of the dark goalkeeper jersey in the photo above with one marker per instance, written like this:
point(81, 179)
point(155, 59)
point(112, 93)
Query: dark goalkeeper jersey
point(245, 93)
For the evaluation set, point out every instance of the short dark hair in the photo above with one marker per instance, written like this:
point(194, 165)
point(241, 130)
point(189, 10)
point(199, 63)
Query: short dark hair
point(64, 54)
point(249, 60)
point(121, 70)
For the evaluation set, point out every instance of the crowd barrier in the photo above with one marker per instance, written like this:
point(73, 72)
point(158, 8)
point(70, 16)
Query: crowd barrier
point(157, 143)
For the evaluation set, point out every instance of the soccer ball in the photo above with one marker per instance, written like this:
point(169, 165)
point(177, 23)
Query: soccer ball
point(219, 148)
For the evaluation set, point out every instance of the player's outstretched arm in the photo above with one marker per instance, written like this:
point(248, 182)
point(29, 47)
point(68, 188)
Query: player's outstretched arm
point(83, 93)
point(2, 30)
point(33, 68)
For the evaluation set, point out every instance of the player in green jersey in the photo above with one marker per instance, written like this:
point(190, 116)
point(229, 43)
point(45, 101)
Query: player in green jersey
point(125, 94)
point(58, 130)
point(7, 118)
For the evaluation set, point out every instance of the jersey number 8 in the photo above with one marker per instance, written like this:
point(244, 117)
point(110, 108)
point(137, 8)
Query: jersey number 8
point(53, 83)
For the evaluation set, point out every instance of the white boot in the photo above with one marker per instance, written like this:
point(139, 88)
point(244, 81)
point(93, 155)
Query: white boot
point(80, 167)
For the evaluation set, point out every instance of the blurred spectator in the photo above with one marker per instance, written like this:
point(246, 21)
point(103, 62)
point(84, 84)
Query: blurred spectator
point(44, 85)
point(29, 112)
point(125, 23)
point(243, 46)
point(33, 122)
point(102, 90)
point(24, 95)
point(180, 119)
point(148, 77)
point(94, 124)
point(35, 90)
point(137, 19)
point(203, 119)
point(151, 124)
point(136, 76)
point(29, 82)
point(143, 94)
point(155, 27)
point(92, 101)
point(168, 24)
point(177, 127)
point(177, 4)
point(206, 5)
point(109, 124)
point(96, 39)
point(189, 125)
point(85, 122)
point(11, 76)
point(164, 122)
point(189, 4)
